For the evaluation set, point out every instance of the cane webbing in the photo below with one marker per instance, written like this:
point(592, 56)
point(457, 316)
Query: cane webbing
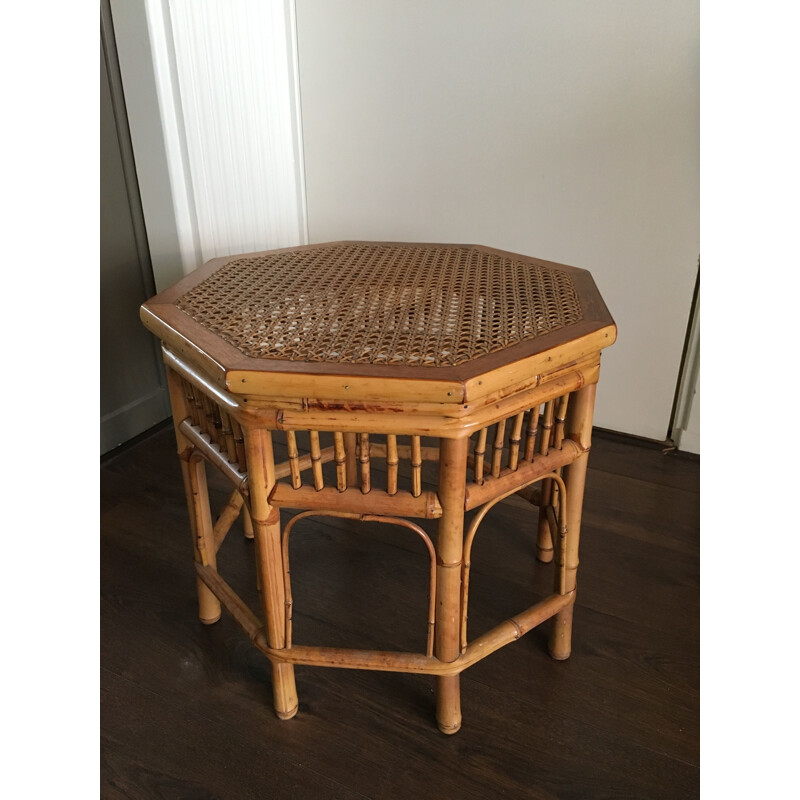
point(365, 303)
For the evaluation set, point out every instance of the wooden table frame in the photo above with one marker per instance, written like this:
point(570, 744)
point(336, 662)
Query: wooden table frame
point(538, 408)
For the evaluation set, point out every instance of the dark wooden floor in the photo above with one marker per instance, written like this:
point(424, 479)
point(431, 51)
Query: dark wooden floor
point(186, 709)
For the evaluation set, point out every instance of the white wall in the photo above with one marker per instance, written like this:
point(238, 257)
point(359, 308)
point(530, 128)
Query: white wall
point(210, 89)
point(566, 130)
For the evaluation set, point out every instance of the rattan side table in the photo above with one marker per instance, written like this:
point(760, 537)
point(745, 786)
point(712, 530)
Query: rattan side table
point(374, 354)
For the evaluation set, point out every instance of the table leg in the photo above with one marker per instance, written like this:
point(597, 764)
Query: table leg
point(267, 534)
point(194, 484)
point(449, 552)
point(579, 428)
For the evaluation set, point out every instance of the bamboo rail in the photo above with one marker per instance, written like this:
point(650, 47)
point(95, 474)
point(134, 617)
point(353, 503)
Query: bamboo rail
point(227, 517)
point(425, 506)
point(381, 660)
point(526, 472)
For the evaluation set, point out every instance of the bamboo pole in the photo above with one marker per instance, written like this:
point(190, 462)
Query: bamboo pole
point(530, 433)
point(525, 473)
point(579, 430)
point(267, 529)
point(392, 461)
point(515, 440)
point(351, 451)
point(544, 542)
point(227, 436)
point(316, 462)
point(247, 522)
point(416, 466)
point(363, 458)
point(227, 517)
point(449, 546)
point(558, 438)
point(497, 447)
point(480, 451)
point(238, 440)
point(294, 466)
point(208, 604)
point(403, 503)
point(340, 456)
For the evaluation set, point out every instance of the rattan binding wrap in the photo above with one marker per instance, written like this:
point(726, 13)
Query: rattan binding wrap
point(363, 303)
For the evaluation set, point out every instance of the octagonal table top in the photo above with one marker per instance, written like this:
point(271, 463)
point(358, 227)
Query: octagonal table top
point(342, 319)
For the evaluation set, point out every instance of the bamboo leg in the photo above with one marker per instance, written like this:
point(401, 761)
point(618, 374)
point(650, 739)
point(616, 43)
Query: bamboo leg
point(194, 486)
point(579, 428)
point(267, 529)
point(449, 547)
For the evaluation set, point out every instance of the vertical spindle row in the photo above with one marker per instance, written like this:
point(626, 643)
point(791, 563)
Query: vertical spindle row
point(294, 459)
point(392, 462)
point(363, 457)
point(340, 457)
point(416, 466)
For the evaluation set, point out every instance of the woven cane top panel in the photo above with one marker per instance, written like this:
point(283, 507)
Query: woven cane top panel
point(369, 303)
